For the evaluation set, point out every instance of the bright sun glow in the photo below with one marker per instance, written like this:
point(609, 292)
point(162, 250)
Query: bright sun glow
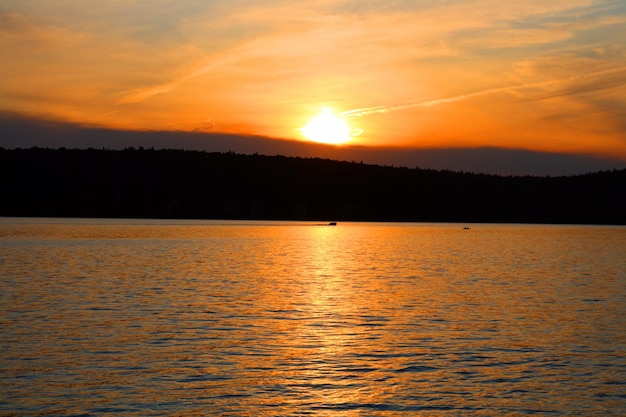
point(327, 128)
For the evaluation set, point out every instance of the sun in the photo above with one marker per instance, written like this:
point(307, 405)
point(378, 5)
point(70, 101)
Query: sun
point(326, 127)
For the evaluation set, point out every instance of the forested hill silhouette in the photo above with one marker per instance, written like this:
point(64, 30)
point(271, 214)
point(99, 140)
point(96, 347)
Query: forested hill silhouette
point(193, 184)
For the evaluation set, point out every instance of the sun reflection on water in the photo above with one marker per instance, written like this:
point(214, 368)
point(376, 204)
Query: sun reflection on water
point(296, 319)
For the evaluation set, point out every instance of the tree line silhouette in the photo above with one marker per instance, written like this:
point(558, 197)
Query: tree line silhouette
point(148, 183)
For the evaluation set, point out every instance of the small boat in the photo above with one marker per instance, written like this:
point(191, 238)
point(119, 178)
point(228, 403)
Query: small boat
point(332, 224)
point(466, 228)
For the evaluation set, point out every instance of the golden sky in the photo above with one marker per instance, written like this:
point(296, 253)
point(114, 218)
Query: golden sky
point(530, 74)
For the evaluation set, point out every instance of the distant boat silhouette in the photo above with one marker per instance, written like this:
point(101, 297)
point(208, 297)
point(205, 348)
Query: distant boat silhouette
point(332, 224)
point(466, 228)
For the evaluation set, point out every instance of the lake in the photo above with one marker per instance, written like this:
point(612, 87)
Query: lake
point(236, 318)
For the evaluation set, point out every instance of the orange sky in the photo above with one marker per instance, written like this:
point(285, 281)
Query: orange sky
point(532, 74)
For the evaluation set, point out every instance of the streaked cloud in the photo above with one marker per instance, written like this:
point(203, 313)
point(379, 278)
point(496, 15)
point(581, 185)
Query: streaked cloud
point(539, 90)
point(534, 74)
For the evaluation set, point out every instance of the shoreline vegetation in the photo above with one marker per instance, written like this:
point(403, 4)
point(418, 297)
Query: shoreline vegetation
point(148, 183)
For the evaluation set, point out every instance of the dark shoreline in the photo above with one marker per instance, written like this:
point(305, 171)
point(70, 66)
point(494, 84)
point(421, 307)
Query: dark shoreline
point(177, 184)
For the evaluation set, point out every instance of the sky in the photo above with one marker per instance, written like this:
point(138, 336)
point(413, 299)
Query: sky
point(529, 75)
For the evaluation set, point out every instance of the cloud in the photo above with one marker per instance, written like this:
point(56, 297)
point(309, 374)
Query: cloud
point(355, 36)
point(20, 32)
point(143, 93)
point(536, 29)
point(173, 65)
point(19, 132)
point(567, 86)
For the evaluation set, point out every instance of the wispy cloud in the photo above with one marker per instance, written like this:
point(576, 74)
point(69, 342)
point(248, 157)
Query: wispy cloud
point(549, 88)
point(265, 66)
point(143, 93)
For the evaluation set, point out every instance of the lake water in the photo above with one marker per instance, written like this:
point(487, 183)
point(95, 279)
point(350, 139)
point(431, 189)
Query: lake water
point(207, 318)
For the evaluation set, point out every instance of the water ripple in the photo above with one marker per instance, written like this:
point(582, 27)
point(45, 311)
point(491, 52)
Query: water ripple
point(362, 319)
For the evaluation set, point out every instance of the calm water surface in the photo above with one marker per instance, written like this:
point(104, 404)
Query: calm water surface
point(190, 318)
